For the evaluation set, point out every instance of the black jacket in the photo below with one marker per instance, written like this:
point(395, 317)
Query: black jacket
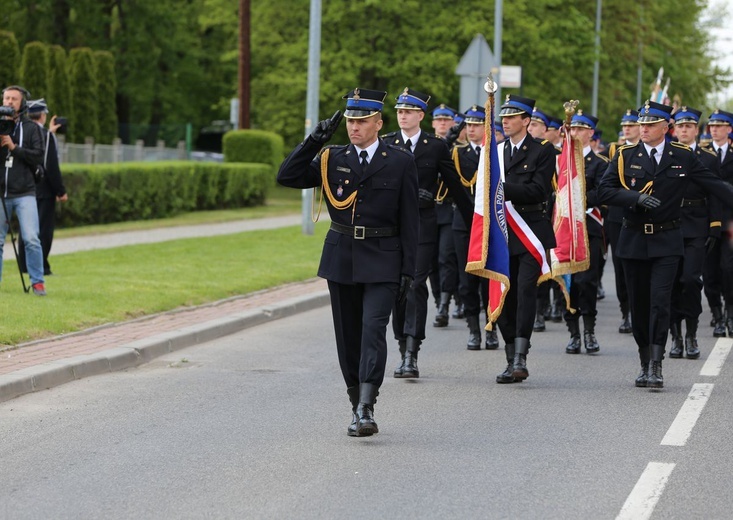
point(527, 185)
point(652, 233)
point(595, 166)
point(17, 180)
point(52, 185)
point(467, 169)
point(386, 197)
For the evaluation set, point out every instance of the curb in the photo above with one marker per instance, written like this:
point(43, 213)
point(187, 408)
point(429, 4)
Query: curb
point(136, 353)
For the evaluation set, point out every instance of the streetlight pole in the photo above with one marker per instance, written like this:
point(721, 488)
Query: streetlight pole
point(596, 63)
point(244, 59)
point(498, 14)
point(311, 109)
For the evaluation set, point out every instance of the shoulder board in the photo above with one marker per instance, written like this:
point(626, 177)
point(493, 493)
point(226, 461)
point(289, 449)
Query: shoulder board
point(544, 141)
point(460, 145)
point(680, 145)
point(432, 136)
point(390, 134)
point(401, 149)
point(605, 159)
point(627, 147)
point(708, 150)
point(331, 147)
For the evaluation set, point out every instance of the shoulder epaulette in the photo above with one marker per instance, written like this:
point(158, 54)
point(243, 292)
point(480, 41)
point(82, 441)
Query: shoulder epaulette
point(680, 145)
point(708, 150)
point(330, 146)
point(544, 141)
point(460, 145)
point(400, 148)
point(433, 136)
point(390, 134)
point(626, 147)
point(605, 159)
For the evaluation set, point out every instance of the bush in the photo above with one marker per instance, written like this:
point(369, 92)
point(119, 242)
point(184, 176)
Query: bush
point(104, 193)
point(104, 63)
point(9, 59)
point(84, 119)
point(58, 95)
point(253, 146)
point(34, 68)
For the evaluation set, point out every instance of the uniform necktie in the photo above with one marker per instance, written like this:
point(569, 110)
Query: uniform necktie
point(720, 156)
point(513, 152)
point(478, 150)
point(653, 155)
point(408, 145)
point(364, 163)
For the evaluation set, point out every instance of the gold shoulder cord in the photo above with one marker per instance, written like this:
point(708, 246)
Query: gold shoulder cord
point(457, 162)
point(647, 187)
point(340, 205)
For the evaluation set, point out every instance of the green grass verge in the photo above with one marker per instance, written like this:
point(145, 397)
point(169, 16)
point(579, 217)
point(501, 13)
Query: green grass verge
point(109, 285)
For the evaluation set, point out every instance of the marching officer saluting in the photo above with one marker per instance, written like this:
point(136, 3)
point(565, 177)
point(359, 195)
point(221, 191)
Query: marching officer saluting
point(369, 253)
point(650, 180)
point(432, 157)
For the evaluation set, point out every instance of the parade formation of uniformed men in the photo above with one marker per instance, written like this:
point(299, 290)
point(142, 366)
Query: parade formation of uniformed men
point(401, 208)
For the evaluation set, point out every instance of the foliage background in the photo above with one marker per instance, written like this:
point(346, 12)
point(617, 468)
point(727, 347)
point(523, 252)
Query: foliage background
point(176, 61)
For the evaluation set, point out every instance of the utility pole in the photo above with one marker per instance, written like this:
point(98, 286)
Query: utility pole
point(311, 108)
point(498, 27)
point(244, 60)
point(596, 63)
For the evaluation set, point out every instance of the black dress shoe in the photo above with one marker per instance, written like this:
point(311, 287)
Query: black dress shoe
point(625, 327)
point(573, 346)
point(352, 430)
point(506, 376)
point(655, 375)
point(591, 343)
point(492, 339)
point(643, 377)
point(691, 349)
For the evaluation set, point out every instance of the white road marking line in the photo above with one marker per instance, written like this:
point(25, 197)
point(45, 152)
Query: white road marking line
point(688, 415)
point(647, 491)
point(717, 357)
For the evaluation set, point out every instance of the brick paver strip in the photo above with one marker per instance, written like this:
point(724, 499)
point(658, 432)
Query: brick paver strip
point(108, 337)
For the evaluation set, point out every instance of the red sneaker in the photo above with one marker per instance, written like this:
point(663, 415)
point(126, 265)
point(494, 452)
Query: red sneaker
point(39, 289)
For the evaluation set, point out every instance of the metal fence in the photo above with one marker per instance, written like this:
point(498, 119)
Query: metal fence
point(91, 153)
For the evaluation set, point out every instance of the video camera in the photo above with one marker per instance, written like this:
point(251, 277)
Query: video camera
point(7, 125)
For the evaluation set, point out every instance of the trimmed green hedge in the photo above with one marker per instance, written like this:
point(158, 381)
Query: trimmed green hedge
point(253, 146)
point(104, 193)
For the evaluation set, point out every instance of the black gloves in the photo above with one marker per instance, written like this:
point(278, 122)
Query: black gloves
point(452, 136)
point(405, 284)
point(324, 129)
point(710, 244)
point(648, 202)
point(424, 195)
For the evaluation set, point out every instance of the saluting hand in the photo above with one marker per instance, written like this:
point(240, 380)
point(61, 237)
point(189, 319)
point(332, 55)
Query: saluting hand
point(453, 132)
point(325, 129)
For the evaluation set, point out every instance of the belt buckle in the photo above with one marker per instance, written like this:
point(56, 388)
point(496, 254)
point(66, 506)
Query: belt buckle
point(648, 229)
point(359, 232)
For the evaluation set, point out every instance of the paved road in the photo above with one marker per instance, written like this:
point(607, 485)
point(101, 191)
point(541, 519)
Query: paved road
point(253, 426)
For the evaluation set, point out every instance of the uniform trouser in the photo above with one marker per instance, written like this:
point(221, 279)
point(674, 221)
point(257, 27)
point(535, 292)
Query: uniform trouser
point(409, 319)
point(520, 305)
point(447, 259)
point(360, 317)
point(584, 285)
point(718, 274)
point(46, 225)
point(472, 289)
point(650, 283)
point(613, 231)
point(687, 290)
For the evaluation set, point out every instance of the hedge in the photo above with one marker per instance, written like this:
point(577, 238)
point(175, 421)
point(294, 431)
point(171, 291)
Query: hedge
point(104, 193)
point(253, 146)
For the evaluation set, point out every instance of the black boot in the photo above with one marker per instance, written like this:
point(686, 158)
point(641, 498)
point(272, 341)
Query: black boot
point(458, 312)
point(729, 320)
point(521, 347)
point(558, 304)
point(492, 339)
point(365, 410)
point(655, 367)
point(506, 376)
point(410, 370)
point(573, 346)
point(589, 335)
point(539, 321)
point(625, 327)
point(353, 392)
point(474, 333)
point(719, 327)
point(601, 292)
point(674, 330)
point(441, 318)
point(643, 377)
point(401, 367)
point(691, 348)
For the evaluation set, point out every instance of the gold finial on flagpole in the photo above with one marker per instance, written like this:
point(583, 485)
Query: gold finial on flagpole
point(569, 107)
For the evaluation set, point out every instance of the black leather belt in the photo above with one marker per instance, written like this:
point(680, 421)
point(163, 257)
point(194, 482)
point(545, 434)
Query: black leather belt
point(527, 208)
point(650, 228)
point(361, 232)
point(693, 202)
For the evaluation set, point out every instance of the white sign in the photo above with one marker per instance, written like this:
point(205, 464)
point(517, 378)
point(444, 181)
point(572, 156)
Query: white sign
point(511, 76)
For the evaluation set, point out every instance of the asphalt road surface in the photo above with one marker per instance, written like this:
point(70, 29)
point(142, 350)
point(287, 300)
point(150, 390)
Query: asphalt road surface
point(254, 426)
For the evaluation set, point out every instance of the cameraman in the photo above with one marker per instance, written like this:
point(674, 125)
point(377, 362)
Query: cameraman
point(23, 152)
point(50, 189)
